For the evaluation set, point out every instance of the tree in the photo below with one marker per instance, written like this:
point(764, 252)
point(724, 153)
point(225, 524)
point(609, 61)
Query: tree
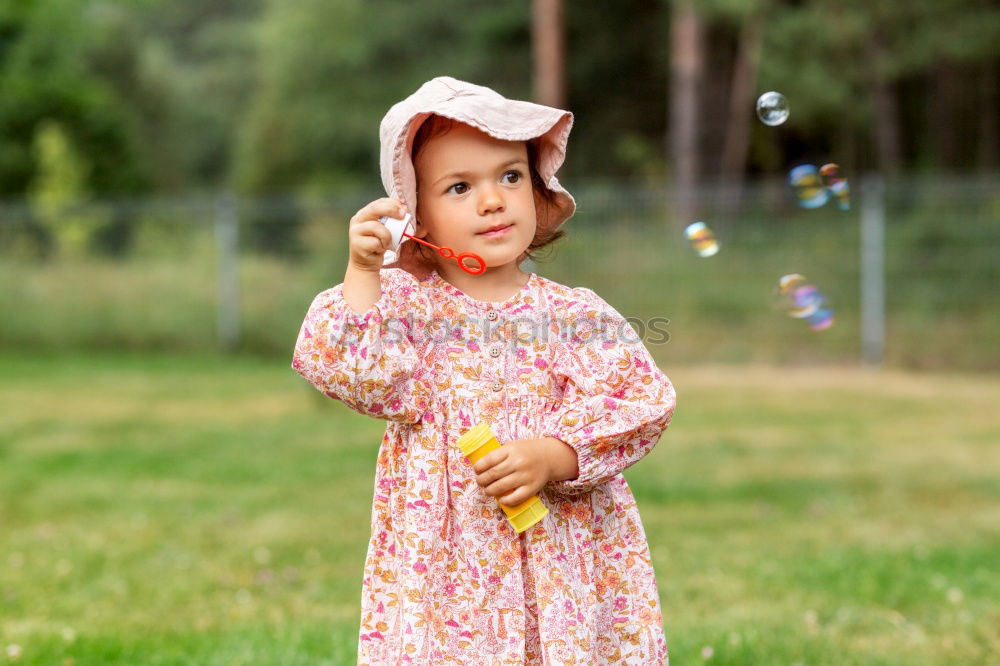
point(59, 192)
point(43, 76)
point(548, 49)
point(686, 64)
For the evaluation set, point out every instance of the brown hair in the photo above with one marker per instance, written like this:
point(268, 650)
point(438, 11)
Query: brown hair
point(436, 125)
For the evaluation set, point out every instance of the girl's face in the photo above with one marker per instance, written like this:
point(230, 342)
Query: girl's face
point(469, 184)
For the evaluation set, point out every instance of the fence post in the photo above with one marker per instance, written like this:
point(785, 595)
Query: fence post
point(227, 239)
point(872, 270)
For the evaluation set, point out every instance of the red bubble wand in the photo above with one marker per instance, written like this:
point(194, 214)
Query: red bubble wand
point(396, 227)
point(460, 259)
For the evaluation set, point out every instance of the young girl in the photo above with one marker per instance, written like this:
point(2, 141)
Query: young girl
point(557, 373)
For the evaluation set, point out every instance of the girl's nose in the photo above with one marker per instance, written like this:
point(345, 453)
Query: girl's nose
point(490, 201)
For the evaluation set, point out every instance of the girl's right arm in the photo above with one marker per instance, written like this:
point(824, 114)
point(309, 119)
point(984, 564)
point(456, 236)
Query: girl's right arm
point(358, 341)
point(368, 239)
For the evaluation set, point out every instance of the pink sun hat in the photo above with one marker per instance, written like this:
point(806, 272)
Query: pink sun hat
point(489, 112)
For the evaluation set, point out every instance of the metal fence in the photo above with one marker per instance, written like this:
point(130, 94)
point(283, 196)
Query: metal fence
point(910, 271)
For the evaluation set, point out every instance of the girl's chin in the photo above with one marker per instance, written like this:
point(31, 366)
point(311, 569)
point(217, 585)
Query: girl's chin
point(497, 257)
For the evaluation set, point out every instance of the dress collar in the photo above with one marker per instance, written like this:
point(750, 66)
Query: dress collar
point(515, 298)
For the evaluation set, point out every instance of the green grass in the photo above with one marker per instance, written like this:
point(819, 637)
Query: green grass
point(207, 510)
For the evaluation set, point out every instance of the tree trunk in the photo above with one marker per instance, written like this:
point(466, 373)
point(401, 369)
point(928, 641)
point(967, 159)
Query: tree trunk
point(989, 111)
point(549, 52)
point(943, 114)
point(686, 65)
point(737, 141)
point(887, 146)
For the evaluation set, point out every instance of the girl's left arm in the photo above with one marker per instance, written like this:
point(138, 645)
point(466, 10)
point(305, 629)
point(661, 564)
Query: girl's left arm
point(616, 401)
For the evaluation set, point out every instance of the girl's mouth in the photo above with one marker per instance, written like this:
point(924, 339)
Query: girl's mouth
point(497, 232)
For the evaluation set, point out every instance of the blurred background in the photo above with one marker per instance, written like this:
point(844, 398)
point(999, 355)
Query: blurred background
point(179, 175)
point(175, 184)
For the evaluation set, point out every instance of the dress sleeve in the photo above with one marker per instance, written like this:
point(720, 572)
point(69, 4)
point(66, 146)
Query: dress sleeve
point(370, 362)
point(616, 402)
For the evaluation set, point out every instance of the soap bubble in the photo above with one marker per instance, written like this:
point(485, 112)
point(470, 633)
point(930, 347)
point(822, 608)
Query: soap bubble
point(814, 187)
point(806, 300)
point(808, 186)
point(772, 108)
point(702, 239)
point(796, 297)
point(820, 320)
point(801, 300)
point(836, 184)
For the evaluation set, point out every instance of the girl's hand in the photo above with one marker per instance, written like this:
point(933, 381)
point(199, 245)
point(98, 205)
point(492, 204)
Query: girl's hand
point(523, 466)
point(368, 239)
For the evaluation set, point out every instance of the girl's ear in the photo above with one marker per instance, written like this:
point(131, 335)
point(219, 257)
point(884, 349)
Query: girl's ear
point(420, 230)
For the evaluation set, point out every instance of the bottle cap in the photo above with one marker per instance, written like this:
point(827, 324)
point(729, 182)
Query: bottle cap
point(474, 439)
point(397, 227)
point(531, 514)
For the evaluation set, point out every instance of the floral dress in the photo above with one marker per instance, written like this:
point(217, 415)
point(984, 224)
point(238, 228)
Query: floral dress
point(446, 578)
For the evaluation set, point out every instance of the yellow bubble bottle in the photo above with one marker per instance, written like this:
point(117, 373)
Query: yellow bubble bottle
point(475, 444)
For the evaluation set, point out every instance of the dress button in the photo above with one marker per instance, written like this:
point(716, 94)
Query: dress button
point(497, 386)
point(492, 315)
point(495, 352)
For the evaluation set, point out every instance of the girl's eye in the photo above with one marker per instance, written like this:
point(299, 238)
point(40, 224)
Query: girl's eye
point(459, 188)
point(511, 177)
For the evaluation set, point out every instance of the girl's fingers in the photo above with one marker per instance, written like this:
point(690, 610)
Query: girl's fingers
point(490, 460)
point(385, 207)
point(520, 494)
point(368, 238)
point(371, 245)
point(493, 477)
point(502, 487)
point(492, 473)
point(372, 229)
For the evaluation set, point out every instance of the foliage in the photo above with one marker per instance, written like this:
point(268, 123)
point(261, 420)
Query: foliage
point(44, 76)
point(59, 191)
point(330, 71)
point(271, 96)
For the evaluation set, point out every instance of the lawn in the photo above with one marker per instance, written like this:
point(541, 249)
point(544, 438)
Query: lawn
point(209, 510)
